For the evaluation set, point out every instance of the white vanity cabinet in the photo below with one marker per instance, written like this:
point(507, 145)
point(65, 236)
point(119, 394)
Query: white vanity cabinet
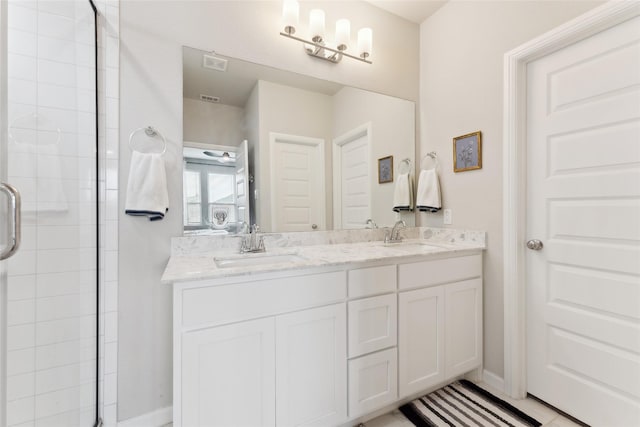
point(440, 322)
point(323, 346)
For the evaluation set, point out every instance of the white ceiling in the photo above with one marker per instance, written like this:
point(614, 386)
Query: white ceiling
point(411, 10)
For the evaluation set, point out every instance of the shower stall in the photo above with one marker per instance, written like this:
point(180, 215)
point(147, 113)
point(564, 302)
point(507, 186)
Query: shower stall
point(49, 214)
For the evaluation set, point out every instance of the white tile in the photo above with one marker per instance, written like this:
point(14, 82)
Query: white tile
point(65, 306)
point(86, 123)
point(21, 287)
point(21, 18)
point(21, 361)
point(110, 415)
point(111, 296)
point(85, 54)
point(65, 353)
point(27, 188)
point(56, 26)
point(22, 263)
point(111, 169)
point(112, 57)
point(22, 67)
point(112, 143)
point(20, 386)
point(110, 388)
point(22, 91)
point(22, 165)
point(28, 241)
point(56, 50)
point(86, 77)
point(58, 73)
point(20, 337)
point(52, 119)
point(111, 236)
point(58, 237)
point(22, 42)
point(20, 411)
point(62, 377)
point(22, 140)
point(20, 312)
point(111, 198)
point(21, 116)
point(112, 112)
point(54, 96)
point(112, 82)
point(56, 7)
point(110, 358)
point(86, 100)
point(57, 331)
point(111, 327)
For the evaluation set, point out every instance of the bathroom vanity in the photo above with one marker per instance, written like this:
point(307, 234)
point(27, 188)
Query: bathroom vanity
point(321, 334)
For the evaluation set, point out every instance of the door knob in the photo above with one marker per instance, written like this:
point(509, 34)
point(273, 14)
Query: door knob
point(534, 244)
point(314, 226)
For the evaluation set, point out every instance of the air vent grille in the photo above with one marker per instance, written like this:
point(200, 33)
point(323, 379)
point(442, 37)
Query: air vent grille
point(209, 98)
point(214, 63)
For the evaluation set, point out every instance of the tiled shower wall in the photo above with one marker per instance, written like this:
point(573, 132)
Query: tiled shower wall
point(51, 308)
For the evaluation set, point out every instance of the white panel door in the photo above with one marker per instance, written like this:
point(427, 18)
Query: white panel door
point(373, 381)
point(228, 375)
point(373, 324)
point(420, 339)
point(242, 182)
point(297, 189)
point(583, 174)
point(311, 362)
point(356, 197)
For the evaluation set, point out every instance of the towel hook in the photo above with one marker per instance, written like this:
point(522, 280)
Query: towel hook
point(150, 131)
point(432, 155)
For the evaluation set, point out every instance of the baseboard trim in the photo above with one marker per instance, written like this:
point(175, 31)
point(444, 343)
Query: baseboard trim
point(493, 380)
point(157, 418)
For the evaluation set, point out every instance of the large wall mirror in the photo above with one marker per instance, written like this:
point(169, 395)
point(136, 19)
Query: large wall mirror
point(286, 151)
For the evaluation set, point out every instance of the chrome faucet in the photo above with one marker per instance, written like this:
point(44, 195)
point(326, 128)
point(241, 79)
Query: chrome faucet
point(395, 233)
point(370, 224)
point(252, 243)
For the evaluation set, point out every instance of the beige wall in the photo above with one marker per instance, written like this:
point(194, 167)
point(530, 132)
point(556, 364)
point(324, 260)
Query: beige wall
point(212, 123)
point(151, 40)
point(461, 52)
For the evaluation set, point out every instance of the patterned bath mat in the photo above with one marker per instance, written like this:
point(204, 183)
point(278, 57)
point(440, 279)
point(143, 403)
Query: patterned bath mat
point(464, 404)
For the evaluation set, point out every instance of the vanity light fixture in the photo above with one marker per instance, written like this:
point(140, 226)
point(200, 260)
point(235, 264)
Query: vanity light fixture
point(318, 46)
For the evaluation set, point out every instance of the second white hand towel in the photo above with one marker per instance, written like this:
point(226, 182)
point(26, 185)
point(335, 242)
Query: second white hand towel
point(428, 197)
point(403, 193)
point(147, 187)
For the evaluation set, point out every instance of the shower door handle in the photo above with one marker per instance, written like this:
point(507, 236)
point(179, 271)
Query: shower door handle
point(14, 215)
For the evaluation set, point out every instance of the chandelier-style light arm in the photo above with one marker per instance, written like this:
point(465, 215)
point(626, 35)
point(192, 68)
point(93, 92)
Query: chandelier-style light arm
point(319, 48)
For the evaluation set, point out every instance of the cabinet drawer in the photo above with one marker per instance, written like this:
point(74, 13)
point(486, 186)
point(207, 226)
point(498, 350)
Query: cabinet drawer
point(373, 381)
point(371, 281)
point(372, 324)
point(434, 272)
point(212, 305)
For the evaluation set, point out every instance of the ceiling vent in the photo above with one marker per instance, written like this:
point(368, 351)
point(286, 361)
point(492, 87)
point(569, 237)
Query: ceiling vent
point(209, 98)
point(214, 63)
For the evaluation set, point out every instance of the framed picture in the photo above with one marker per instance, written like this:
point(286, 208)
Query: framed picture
point(467, 152)
point(385, 169)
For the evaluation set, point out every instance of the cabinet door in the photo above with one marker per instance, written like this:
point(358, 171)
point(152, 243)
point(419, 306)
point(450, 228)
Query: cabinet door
point(373, 381)
point(463, 335)
point(372, 324)
point(311, 361)
point(421, 339)
point(228, 375)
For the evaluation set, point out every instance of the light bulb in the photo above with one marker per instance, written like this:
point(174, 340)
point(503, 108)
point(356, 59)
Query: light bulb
point(316, 25)
point(343, 33)
point(290, 12)
point(365, 42)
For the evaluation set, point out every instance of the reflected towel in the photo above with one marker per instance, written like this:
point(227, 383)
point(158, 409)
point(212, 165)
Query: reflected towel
point(403, 194)
point(147, 187)
point(428, 196)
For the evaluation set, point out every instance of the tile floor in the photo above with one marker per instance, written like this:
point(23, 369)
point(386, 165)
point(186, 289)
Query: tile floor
point(547, 416)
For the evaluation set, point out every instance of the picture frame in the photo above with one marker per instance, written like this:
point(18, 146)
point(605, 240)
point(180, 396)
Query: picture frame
point(385, 169)
point(467, 152)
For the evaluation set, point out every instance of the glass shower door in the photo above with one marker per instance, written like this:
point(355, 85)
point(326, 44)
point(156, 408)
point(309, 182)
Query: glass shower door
point(49, 286)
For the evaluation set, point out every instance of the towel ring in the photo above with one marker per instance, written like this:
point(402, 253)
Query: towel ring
point(432, 155)
point(405, 166)
point(150, 132)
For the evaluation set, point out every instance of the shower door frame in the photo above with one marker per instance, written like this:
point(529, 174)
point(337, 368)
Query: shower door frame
point(3, 178)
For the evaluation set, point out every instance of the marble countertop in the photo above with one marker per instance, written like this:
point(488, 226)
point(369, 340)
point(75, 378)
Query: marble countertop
point(198, 266)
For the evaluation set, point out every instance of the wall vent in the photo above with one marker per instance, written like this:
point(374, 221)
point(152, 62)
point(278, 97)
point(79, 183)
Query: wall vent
point(209, 98)
point(214, 63)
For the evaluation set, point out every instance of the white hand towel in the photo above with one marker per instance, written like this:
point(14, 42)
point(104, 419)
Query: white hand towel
point(428, 196)
point(147, 187)
point(403, 193)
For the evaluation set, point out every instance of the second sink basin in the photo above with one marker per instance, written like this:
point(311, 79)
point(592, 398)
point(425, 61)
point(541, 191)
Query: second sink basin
point(248, 260)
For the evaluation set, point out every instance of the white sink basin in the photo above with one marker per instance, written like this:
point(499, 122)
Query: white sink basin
point(249, 260)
